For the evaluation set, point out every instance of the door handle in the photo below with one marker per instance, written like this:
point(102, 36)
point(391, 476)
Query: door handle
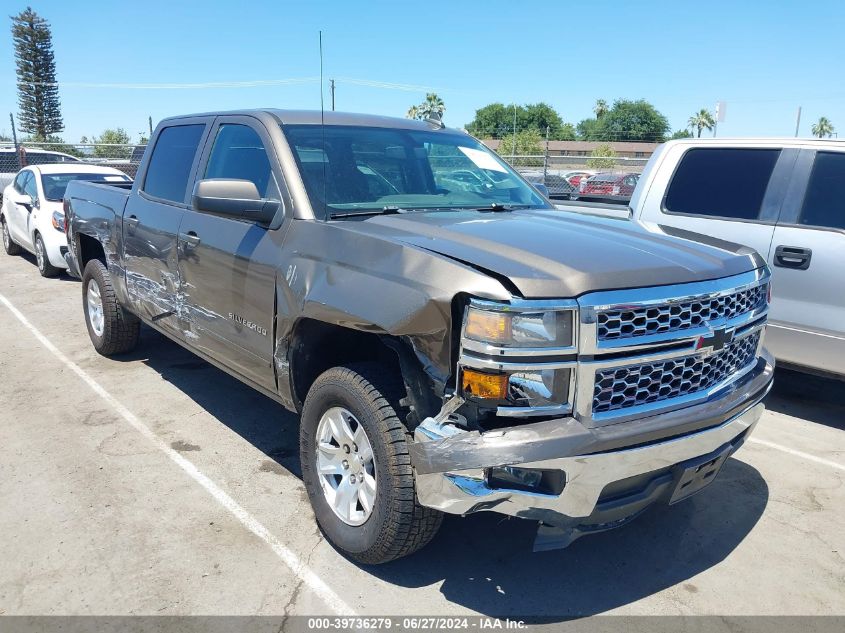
point(190, 241)
point(795, 257)
point(131, 224)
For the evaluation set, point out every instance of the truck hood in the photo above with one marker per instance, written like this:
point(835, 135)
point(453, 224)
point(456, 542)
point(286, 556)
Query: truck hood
point(551, 253)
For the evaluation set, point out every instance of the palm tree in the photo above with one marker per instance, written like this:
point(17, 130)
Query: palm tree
point(432, 105)
point(600, 109)
point(413, 112)
point(823, 128)
point(702, 120)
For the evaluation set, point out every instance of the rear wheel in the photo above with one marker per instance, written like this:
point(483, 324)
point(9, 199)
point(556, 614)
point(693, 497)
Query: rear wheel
point(8, 245)
point(44, 266)
point(112, 329)
point(356, 466)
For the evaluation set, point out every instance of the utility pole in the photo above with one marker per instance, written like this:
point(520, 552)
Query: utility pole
point(546, 157)
point(332, 85)
point(797, 121)
point(150, 121)
point(513, 145)
point(15, 140)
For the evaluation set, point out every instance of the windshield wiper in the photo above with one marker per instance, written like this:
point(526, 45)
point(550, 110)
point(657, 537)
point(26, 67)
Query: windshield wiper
point(498, 206)
point(388, 210)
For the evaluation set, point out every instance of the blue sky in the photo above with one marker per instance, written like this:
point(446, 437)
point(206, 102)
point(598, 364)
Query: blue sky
point(763, 59)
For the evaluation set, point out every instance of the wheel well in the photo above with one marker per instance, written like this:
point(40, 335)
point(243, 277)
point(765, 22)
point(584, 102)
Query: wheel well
point(89, 248)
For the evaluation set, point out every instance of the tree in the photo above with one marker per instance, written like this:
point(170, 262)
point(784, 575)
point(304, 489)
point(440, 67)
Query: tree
point(527, 143)
point(497, 120)
point(603, 157)
point(39, 109)
point(588, 130)
point(633, 121)
point(104, 144)
point(702, 120)
point(823, 128)
point(681, 134)
point(600, 109)
point(433, 105)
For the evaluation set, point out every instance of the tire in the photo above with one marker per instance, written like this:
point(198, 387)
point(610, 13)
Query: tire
point(397, 525)
point(8, 244)
point(118, 331)
point(44, 266)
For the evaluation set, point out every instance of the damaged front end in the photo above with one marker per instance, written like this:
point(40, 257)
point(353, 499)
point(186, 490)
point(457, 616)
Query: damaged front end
point(581, 414)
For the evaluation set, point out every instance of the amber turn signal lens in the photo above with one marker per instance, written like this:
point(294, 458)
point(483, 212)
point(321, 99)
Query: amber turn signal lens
point(494, 327)
point(487, 386)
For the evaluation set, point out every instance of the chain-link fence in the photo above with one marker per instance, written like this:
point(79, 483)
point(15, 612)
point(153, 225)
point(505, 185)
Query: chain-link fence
point(124, 157)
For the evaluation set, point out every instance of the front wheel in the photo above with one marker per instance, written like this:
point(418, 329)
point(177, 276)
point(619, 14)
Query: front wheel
point(356, 466)
point(112, 329)
point(44, 266)
point(8, 245)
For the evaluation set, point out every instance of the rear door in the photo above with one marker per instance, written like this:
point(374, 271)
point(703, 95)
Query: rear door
point(228, 266)
point(808, 261)
point(731, 193)
point(151, 221)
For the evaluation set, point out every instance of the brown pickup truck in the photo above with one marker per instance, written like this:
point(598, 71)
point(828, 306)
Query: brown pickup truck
point(452, 341)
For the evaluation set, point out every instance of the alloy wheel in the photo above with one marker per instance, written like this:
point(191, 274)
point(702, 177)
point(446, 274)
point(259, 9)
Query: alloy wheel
point(346, 466)
point(94, 302)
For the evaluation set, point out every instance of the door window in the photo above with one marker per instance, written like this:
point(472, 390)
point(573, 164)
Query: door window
point(725, 183)
point(824, 202)
point(30, 187)
point(239, 153)
point(19, 181)
point(170, 165)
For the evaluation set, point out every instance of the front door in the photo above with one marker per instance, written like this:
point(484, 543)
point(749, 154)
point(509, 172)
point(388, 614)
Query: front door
point(19, 215)
point(807, 258)
point(228, 267)
point(151, 222)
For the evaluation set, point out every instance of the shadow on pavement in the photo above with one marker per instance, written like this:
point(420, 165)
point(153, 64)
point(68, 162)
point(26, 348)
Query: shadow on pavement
point(812, 398)
point(484, 562)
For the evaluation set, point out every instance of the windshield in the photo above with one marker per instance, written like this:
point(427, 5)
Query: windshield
point(349, 169)
point(55, 184)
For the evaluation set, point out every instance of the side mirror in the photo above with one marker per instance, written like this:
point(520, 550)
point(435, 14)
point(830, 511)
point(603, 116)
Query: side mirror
point(543, 189)
point(233, 198)
point(25, 201)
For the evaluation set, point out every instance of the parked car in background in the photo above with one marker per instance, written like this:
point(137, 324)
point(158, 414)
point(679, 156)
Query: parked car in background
point(32, 214)
point(785, 198)
point(575, 177)
point(608, 186)
point(10, 162)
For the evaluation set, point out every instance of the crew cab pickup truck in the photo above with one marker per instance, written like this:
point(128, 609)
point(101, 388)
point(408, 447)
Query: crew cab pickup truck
point(783, 197)
point(452, 347)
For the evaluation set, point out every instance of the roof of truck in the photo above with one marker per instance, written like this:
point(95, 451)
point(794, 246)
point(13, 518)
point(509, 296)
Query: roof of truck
point(771, 141)
point(315, 117)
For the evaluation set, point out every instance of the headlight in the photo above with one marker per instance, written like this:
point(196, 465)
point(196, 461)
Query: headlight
point(519, 356)
point(523, 328)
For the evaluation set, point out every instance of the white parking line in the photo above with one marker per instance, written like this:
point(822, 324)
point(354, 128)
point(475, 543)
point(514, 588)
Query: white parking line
point(288, 557)
point(807, 456)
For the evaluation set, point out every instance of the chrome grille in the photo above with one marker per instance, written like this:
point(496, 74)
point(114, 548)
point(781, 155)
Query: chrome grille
point(632, 322)
point(621, 388)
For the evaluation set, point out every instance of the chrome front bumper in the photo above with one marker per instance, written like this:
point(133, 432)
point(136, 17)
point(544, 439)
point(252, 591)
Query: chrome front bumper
point(452, 465)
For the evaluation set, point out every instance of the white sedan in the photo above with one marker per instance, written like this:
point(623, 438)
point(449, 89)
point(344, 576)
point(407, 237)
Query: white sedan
point(32, 214)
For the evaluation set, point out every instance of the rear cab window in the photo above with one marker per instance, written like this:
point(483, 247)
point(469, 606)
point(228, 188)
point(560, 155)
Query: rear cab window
point(172, 159)
point(727, 183)
point(824, 202)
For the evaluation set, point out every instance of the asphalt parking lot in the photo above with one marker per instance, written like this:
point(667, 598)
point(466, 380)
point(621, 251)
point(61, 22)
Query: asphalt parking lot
point(156, 484)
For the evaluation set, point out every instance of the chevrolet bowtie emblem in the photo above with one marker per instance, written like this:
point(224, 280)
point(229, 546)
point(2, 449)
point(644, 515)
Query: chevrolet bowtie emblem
point(715, 341)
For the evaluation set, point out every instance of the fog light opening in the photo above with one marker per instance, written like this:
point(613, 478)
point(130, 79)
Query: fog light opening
point(538, 481)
